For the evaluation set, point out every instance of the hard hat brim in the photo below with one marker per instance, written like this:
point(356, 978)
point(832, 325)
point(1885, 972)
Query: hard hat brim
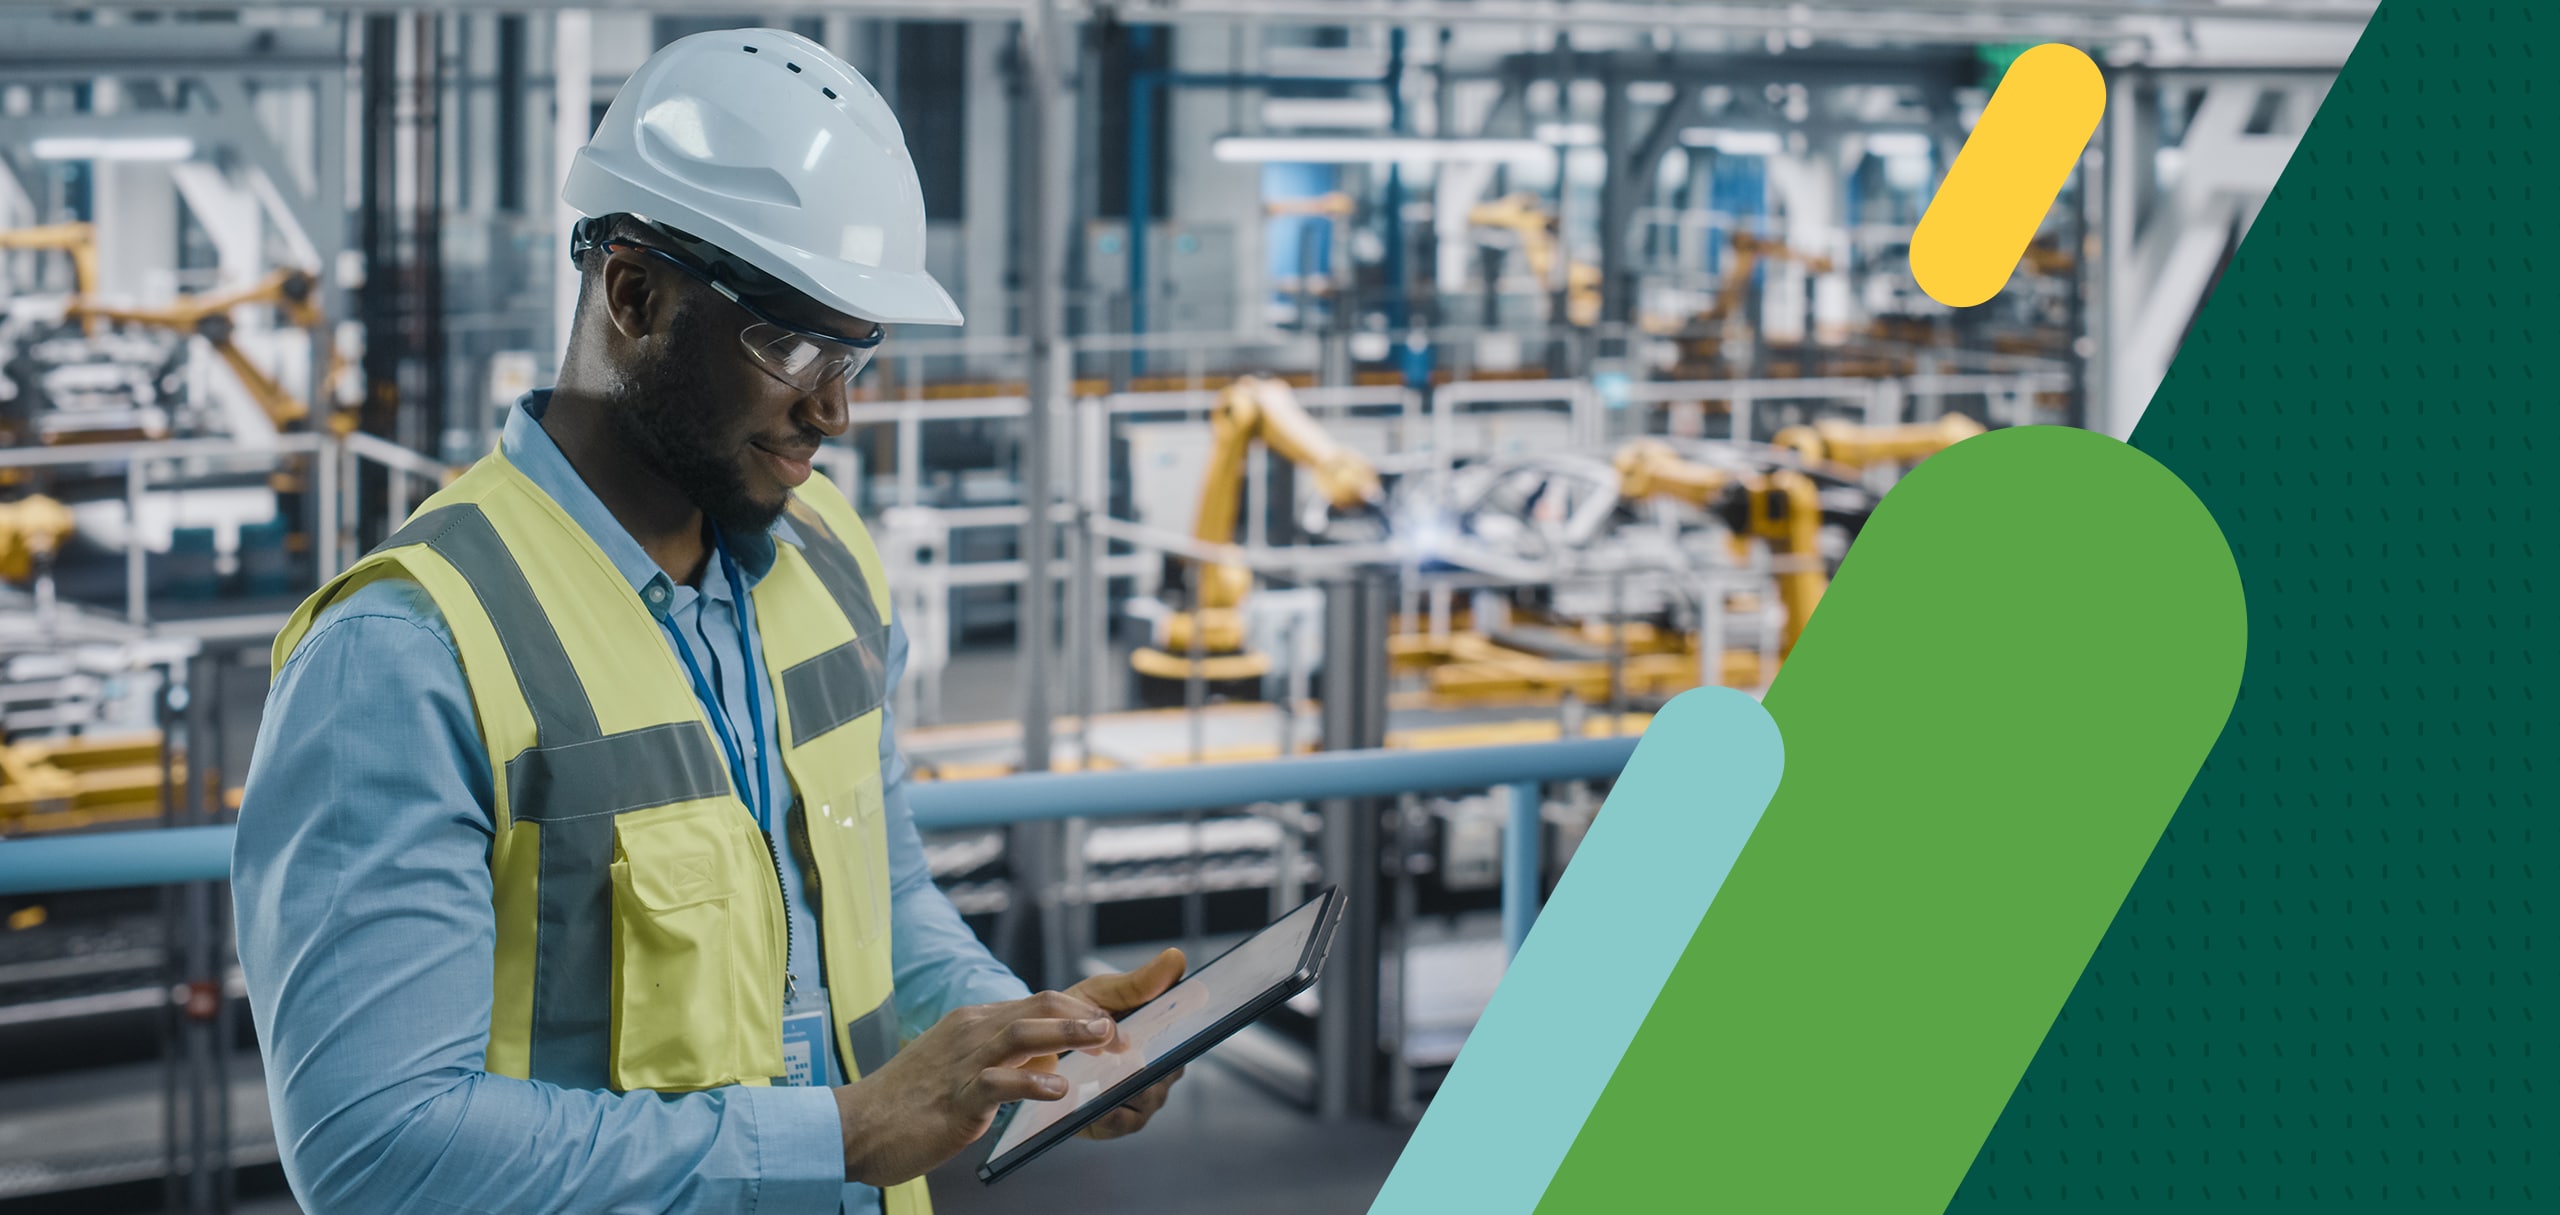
point(596, 185)
point(884, 297)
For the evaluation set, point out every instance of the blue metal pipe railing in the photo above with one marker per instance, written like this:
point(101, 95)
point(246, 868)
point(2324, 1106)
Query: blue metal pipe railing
point(1306, 778)
point(120, 858)
point(203, 854)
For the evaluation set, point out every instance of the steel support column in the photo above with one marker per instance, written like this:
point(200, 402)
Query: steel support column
point(1035, 925)
point(1359, 608)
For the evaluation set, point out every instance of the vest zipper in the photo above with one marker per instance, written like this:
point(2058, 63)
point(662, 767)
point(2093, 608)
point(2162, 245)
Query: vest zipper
point(796, 821)
point(781, 897)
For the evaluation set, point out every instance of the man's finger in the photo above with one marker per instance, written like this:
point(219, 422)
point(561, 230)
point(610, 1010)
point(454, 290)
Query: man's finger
point(996, 1086)
point(1129, 989)
point(1115, 1124)
point(1151, 1100)
point(1022, 1041)
point(1136, 1112)
point(1058, 1005)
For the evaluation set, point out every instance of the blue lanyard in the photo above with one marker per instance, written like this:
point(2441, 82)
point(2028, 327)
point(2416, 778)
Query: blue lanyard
point(711, 707)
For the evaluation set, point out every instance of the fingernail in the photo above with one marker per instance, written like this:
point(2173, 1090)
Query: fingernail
point(1099, 1025)
point(1052, 1084)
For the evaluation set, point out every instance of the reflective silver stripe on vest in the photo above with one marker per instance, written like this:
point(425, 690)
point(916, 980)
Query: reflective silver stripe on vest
point(836, 568)
point(570, 784)
point(838, 686)
point(463, 535)
point(615, 774)
point(852, 679)
point(875, 1038)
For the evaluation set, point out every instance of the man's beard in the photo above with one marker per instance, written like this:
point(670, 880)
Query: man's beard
point(665, 416)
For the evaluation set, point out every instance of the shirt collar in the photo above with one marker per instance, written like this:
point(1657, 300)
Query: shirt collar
point(529, 447)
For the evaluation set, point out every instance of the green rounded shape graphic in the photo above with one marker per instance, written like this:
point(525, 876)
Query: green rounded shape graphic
point(2008, 688)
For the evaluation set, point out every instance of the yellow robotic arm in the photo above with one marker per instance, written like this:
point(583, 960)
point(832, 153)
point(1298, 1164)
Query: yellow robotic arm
point(1779, 507)
point(1649, 468)
point(1251, 408)
point(1782, 507)
point(1520, 215)
point(79, 239)
point(1830, 441)
point(31, 529)
point(294, 293)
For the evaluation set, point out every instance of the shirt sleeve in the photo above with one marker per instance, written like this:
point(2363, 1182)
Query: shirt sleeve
point(940, 964)
point(367, 935)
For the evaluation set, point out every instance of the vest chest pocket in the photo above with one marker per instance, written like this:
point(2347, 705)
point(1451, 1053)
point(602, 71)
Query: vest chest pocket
point(697, 949)
point(851, 814)
point(834, 701)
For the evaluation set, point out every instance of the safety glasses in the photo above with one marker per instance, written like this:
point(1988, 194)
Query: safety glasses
point(804, 359)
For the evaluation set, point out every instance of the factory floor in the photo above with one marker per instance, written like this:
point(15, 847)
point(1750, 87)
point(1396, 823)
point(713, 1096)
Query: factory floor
point(1222, 1146)
point(1225, 1145)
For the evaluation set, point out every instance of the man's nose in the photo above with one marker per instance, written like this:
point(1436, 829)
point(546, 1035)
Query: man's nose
point(826, 410)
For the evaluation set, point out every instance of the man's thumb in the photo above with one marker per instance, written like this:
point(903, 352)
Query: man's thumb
point(1146, 982)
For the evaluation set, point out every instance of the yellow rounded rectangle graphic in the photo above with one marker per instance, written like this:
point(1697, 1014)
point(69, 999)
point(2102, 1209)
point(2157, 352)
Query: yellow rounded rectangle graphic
point(2005, 179)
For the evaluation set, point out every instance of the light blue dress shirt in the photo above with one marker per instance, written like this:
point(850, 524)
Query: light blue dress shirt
point(367, 932)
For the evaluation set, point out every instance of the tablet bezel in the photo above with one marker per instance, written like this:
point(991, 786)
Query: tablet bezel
point(1310, 962)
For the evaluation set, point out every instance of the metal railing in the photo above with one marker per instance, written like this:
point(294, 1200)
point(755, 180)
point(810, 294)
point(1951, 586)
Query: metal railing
point(334, 464)
point(200, 854)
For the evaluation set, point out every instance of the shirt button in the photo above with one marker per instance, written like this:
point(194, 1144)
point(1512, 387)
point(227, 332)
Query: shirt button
point(657, 594)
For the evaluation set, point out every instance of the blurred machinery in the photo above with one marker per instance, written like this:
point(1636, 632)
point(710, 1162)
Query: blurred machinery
point(77, 239)
point(1778, 507)
point(1203, 633)
point(1769, 512)
point(1830, 441)
point(32, 530)
point(80, 698)
point(78, 783)
point(85, 377)
point(1534, 229)
point(1727, 337)
point(291, 292)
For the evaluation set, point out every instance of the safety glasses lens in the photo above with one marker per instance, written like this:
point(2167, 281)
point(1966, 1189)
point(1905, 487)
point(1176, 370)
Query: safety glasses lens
point(803, 362)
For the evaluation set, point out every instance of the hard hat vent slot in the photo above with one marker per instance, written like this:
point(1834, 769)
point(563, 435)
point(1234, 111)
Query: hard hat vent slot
point(831, 93)
point(793, 66)
point(748, 49)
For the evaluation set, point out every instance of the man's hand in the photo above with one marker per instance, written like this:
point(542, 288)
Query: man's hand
point(940, 1092)
point(1117, 994)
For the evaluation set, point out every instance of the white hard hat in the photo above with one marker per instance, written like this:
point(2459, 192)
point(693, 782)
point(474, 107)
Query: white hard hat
point(761, 143)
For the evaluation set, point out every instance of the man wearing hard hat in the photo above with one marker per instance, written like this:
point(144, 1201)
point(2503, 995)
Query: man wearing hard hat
point(574, 869)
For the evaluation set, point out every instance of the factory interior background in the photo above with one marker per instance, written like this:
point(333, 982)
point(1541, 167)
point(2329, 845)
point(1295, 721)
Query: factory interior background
point(1427, 375)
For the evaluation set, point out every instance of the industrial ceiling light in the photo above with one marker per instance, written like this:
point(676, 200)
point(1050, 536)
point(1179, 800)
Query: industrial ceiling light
point(1320, 150)
point(1890, 144)
point(1732, 142)
point(112, 147)
point(1327, 113)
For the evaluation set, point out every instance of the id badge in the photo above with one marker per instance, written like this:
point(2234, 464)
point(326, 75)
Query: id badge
point(808, 1045)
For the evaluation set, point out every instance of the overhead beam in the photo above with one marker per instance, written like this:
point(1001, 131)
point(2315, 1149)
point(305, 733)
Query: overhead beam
point(1944, 69)
point(32, 48)
point(1947, 21)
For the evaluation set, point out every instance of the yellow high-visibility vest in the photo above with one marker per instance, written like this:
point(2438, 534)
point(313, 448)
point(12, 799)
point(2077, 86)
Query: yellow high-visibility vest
point(641, 932)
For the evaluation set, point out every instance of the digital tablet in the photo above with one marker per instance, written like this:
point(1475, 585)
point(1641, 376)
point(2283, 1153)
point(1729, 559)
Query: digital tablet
point(1205, 1008)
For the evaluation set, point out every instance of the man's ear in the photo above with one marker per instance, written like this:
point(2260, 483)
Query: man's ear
point(634, 303)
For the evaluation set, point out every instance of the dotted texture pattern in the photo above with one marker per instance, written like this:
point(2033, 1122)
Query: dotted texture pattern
point(2326, 988)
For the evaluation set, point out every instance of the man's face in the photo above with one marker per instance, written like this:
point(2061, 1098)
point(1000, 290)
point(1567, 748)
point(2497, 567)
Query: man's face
point(701, 413)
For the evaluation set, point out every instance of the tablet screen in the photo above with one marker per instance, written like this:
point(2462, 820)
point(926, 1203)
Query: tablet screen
point(1191, 1007)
